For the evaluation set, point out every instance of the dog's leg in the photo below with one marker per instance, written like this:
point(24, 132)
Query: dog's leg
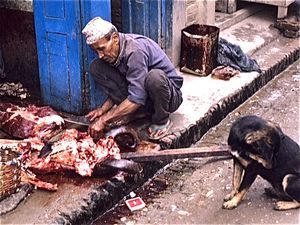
point(277, 193)
point(248, 179)
point(291, 186)
point(237, 179)
point(283, 205)
point(235, 200)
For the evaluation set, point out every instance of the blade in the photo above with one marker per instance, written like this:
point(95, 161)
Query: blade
point(80, 120)
point(46, 150)
point(180, 153)
point(123, 164)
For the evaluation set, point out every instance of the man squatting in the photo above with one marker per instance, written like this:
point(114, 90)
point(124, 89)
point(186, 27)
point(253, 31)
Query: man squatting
point(136, 75)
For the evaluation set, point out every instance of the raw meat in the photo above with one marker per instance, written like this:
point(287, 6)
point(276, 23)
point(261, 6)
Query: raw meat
point(75, 151)
point(31, 121)
point(224, 72)
point(26, 147)
point(32, 179)
point(29, 144)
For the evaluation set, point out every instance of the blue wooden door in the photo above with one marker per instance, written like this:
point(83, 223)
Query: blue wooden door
point(63, 54)
point(152, 18)
point(58, 34)
point(142, 17)
point(95, 96)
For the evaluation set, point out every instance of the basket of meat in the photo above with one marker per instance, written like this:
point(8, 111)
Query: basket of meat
point(10, 171)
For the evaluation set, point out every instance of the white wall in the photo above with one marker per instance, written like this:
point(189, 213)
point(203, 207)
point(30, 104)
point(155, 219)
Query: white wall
point(185, 13)
point(179, 22)
point(200, 12)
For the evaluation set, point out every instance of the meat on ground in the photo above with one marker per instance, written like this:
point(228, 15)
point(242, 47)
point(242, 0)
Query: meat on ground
point(75, 151)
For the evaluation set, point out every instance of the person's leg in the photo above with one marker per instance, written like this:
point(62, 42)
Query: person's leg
point(116, 87)
point(166, 99)
point(109, 79)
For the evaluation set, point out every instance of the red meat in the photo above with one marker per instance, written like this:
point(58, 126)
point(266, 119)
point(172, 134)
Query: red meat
point(31, 121)
point(75, 151)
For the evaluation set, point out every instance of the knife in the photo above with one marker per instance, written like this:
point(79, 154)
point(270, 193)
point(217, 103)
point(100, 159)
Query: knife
point(46, 150)
point(78, 120)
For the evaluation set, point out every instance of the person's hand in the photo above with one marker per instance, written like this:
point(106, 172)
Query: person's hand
point(96, 128)
point(95, 114)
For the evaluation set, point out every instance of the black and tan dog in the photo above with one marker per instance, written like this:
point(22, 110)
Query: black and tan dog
point(261, 148)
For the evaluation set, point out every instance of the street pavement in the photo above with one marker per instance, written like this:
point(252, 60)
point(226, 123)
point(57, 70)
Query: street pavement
point(191, 191)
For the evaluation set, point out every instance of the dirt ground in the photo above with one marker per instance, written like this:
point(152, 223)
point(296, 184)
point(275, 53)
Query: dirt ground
point(191, 191)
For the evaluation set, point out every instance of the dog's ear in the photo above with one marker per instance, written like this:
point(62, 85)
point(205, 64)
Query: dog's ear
point(266, 149)
point(252, 137)
point(280, 132)
point(259, 143)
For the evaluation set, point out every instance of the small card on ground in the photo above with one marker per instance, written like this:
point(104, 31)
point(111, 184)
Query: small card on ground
point(135, 203)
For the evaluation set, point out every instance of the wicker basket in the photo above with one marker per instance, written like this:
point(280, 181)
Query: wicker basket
point(10, 171)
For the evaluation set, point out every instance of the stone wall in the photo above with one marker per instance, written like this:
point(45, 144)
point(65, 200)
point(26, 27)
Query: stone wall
point(18, 42)
point(23, 5)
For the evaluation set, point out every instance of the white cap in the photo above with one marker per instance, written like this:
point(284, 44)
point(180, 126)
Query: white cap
point(96, 29)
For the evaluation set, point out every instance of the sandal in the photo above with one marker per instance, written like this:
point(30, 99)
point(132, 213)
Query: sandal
point(155, 129)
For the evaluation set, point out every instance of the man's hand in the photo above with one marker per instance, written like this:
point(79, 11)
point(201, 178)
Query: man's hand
point(125, 108)
point(95, 113)
point(96, 128)
point(107, 105)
